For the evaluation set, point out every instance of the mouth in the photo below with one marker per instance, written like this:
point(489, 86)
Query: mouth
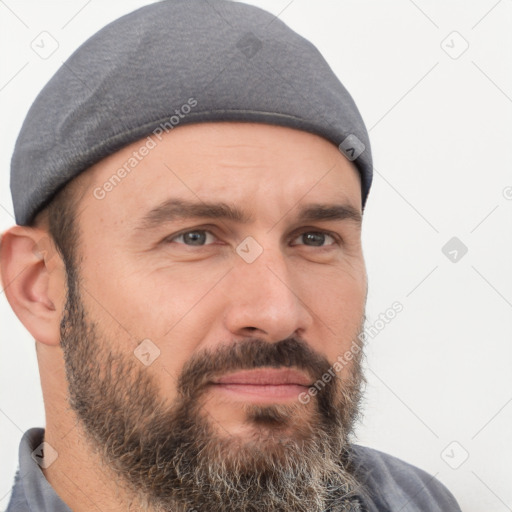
point(263, 385)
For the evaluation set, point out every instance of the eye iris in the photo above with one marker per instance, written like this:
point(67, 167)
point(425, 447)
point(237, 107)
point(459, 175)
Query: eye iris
point(314, 238)
point(194, 238)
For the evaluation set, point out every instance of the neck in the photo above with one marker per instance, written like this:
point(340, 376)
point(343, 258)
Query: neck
point(79, 476)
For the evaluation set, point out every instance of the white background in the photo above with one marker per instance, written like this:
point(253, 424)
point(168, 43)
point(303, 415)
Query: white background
point(440, 127)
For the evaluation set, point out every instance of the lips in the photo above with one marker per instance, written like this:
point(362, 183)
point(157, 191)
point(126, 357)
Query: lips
point(266, 377)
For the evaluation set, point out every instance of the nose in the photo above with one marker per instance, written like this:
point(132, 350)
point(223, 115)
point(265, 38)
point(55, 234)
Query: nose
point(265, 301)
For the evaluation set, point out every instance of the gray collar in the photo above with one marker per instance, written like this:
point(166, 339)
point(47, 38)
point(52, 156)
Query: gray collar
point(31, 491)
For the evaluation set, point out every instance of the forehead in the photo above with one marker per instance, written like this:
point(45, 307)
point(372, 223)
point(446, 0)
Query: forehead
point(263, 168)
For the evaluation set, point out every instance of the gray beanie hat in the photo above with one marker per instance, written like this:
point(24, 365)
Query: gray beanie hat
point(172, 63)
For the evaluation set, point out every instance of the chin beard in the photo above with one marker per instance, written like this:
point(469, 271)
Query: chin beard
point(176, 458)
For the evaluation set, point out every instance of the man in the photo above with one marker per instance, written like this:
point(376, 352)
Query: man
point(189, 190)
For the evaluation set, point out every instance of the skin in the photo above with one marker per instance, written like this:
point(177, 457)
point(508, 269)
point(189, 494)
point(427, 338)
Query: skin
point(146, 283)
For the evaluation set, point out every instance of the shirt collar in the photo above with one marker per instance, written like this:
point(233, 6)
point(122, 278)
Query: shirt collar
point(39, 494)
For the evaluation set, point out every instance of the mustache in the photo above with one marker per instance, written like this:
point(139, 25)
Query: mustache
point(249, 354)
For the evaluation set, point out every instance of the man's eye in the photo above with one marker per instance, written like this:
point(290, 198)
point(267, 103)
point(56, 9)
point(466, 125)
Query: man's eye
point(314, 239)
point(195, 237)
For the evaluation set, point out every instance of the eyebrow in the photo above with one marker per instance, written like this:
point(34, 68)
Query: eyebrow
point(178, 209)
point(318, 212)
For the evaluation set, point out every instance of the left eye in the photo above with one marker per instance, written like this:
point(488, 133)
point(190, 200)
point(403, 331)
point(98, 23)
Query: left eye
point(314, 239)
point(196, 237)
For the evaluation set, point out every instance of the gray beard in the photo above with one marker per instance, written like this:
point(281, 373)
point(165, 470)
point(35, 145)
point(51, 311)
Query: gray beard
point(171, 458)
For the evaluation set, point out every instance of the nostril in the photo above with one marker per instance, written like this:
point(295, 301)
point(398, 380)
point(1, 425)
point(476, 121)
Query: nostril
point(252, 332)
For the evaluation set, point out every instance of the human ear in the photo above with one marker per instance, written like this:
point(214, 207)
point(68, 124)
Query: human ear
point(33, 277)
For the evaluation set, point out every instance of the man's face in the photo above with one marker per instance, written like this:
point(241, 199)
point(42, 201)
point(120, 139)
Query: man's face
point(234, 250)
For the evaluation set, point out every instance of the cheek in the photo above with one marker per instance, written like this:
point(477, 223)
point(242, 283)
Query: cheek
point(165, 304)
point(337, 297)
point(341, 306)
point(174, 311)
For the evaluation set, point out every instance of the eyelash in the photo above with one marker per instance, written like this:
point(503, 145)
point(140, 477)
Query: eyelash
point(293, 236)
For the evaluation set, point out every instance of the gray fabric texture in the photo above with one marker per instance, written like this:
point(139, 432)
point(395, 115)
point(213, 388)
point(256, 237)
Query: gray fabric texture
point(173, 63)
point(392, 484)
point(396, 486)
point(31, 491)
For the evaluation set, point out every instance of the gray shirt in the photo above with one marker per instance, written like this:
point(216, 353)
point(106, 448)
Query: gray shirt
point(392, 485)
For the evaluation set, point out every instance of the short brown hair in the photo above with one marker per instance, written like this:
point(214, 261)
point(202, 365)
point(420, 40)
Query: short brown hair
point(60, 218)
